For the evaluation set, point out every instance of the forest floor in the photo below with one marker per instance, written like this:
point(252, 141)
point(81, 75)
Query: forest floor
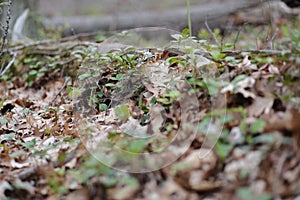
point(137, 116)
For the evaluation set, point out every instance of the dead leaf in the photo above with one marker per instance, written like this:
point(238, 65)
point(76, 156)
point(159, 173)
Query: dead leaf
point(81, 194)
point(132, 127)
point(261, 105)
point(240, 87)
point(4, 185)
point(249, 163)
point(246, 64)
point(193, 171)
point(17, 165)
point(288, 120)
point(126, 192)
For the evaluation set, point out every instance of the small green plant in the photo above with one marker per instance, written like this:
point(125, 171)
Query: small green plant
point(169, 97)
point(56, 185)
point(257, 126)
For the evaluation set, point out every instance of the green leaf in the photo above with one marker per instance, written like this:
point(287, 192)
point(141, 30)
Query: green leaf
point(244, 193)
point(239, 78)
point(56, 186)
point(2, 102)
point(185, 32)
point(118, 58)
point(174, 94)
point(110, 85)
point(102, 107)
point(258, 126)
point(18, 153)
point(223, 150)
point(4, 4)
point(93, 100)
point(265, 196)
point(7, 137)
point(109, 181)
point(212, 86)
point(29, 145)
point(84, 76)
point(224, 135)
point(74, 91)
point(172, 60)
point(33, 72)
point(203, 33)
point(137, 146)
point(249, 139)
point(243, 127)
point(169, 127)
point(122, 112)
point(231, 59)
point(164, 101)
point(228, 46)
point(217, 55)
point(28, 60)
point(266, 139)
point(61, 157)
point(3, 120)
point(145, 119)
point(204, 124)
point(100, 94)
point(118, 77)
point(129, 180)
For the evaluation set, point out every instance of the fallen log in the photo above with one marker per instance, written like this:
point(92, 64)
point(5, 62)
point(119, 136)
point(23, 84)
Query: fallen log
point(175, 19)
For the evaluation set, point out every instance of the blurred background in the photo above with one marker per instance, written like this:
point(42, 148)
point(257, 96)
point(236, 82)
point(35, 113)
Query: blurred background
point(67, 17)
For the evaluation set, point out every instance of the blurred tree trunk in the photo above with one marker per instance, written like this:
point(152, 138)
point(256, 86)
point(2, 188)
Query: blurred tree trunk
point(175, 18)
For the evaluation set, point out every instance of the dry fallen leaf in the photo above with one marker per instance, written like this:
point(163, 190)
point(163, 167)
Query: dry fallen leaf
point(194, 171)
point(81, 194)
point(249, 163)
point(261, 105)
point(240, 87)
point(246, 64)
point(126, 192)
point(288, 120)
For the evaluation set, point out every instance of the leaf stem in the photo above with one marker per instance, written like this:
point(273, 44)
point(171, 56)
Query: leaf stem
point(188, 5)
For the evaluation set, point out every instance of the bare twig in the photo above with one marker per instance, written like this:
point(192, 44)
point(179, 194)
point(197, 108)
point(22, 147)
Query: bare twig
point(273, 38)
point(60, 50)
point(9, 64)
point(3, 62)
point(44, 42)
point(266, 52)
point(211, 32)
point(237, 36)
point(61, 89)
